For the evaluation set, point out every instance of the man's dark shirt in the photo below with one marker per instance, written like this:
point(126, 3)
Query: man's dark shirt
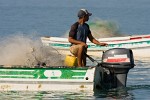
point(79, 32)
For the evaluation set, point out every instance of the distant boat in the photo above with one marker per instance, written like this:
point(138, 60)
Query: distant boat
point(140, 45)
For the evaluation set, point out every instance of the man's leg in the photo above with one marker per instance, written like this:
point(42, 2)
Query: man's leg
point(80, 56)
point(84, 57)
point(78, 51)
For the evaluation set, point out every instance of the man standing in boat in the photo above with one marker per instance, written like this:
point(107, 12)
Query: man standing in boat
point(78, 36)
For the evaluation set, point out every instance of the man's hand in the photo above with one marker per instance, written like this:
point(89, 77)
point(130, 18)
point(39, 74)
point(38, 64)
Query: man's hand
point(103, 44)
point(84, 44)
point(72, 40)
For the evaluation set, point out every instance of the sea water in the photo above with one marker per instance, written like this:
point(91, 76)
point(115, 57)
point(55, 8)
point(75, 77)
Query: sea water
point(23, 22)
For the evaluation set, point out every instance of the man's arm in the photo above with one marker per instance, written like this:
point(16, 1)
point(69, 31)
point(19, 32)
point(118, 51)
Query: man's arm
point(72, 40)
point(93, 40)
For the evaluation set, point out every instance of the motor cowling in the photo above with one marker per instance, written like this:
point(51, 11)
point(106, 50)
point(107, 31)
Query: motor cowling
point(116, 64)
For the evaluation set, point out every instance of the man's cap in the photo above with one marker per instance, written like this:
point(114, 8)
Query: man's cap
point(83, 12)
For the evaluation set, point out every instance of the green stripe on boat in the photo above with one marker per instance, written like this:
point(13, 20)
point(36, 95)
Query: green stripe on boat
point(43, 73)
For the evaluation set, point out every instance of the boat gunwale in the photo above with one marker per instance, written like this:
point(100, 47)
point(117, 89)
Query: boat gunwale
point(46, 67)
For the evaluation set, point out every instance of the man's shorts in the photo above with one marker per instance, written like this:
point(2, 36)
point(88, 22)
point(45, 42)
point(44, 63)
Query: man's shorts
point(74, 49)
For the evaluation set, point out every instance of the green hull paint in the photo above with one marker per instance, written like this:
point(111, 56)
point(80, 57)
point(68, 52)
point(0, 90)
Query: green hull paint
point(43, 73)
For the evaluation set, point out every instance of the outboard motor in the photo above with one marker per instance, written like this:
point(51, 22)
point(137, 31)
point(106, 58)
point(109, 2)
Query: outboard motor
point(115, 66)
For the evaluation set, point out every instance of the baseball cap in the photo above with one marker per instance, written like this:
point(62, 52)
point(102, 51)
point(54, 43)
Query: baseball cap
point(83, 12)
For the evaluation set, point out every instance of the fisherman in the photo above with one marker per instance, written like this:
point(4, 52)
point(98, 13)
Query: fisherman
point(78, 36)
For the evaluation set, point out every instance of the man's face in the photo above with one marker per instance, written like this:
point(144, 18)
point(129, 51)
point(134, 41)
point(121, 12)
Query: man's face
point(86, 17)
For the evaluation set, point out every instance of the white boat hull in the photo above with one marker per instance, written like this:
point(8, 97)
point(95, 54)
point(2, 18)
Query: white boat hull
point(56, 86)
point(138, 53)
point(47, 79)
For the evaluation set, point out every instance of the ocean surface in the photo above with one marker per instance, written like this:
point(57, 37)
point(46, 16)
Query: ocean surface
point(36, 18)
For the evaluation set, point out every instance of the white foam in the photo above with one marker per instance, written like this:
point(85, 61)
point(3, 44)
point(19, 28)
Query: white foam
point(19, 49)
